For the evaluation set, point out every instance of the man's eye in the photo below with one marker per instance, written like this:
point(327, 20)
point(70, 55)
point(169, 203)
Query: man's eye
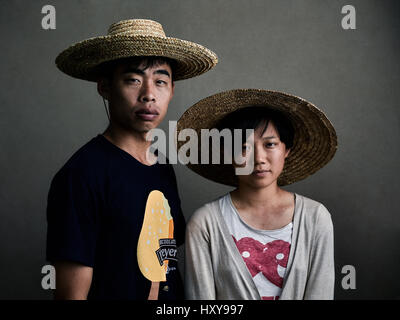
point(133, 80)
point(162, 82)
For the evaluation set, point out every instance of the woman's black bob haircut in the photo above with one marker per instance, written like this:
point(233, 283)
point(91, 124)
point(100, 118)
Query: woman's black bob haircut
point(253, 117)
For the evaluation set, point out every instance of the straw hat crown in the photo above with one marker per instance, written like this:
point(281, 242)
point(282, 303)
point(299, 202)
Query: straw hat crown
point(133, 38)
point(137, 27)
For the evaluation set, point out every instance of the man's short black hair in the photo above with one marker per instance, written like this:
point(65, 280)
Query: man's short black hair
point(106, 69)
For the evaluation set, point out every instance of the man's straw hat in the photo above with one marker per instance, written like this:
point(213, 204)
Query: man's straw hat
point(314, 142)
point(130, 38)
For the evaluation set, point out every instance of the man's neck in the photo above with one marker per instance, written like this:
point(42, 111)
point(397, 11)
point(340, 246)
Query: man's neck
point(134, 143)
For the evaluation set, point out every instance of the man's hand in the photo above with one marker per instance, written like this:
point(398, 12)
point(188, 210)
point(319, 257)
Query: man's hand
point(73, 280)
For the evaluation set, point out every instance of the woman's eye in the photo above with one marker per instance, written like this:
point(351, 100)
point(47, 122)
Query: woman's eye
point(270, 144)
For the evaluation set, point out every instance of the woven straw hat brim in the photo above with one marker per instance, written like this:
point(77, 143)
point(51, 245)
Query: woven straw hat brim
point(80, 60)
point(314, 144)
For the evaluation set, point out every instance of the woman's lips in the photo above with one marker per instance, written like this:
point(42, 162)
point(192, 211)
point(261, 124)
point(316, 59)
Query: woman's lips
point(261, 173)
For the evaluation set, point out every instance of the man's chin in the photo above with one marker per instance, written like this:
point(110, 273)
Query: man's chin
point(144, 129)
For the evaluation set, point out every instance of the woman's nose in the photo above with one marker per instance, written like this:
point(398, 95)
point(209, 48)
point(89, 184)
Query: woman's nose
point(260, 156)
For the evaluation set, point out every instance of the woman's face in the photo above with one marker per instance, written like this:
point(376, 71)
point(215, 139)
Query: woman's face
point(269, 157)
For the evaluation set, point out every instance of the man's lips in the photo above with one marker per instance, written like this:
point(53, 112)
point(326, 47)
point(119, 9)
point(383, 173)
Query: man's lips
point(147, 114)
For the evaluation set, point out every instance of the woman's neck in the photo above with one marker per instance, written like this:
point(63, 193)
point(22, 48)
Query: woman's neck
point(266, 208)
point(248, 196)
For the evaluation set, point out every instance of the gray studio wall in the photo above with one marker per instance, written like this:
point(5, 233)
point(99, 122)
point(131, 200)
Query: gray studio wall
point(293, 46)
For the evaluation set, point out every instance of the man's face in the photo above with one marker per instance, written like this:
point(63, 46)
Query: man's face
point(138, 97)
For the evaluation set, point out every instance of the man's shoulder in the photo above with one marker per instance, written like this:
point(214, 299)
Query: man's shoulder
point(84, 160)
point(87, 155)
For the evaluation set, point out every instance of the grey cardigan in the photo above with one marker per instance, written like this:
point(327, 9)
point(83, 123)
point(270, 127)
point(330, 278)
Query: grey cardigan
point(214, 268)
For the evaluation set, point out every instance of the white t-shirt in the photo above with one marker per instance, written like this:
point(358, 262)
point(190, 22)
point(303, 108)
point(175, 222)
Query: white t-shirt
point(265, 252)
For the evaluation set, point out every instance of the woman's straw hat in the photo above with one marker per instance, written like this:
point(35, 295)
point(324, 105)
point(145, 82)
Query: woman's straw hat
point(136, 37)
point(314, 142)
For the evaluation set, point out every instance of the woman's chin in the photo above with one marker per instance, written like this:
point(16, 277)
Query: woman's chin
point(257, 183)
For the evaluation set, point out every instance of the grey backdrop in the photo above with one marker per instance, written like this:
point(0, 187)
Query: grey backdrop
point(287, 45)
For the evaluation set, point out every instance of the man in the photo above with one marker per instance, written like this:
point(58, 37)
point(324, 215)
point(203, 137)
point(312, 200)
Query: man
point(114, 215)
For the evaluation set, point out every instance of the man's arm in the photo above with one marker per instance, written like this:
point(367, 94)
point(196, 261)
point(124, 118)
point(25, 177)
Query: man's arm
point(73, 280)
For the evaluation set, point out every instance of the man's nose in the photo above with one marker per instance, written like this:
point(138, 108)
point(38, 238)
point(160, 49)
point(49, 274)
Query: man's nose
point(147, 93)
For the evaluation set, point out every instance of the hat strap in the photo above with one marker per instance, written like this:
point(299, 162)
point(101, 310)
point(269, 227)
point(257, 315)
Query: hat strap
point(107, 109)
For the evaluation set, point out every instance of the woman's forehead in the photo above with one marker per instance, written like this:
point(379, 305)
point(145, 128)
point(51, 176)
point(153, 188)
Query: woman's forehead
point(264, 131)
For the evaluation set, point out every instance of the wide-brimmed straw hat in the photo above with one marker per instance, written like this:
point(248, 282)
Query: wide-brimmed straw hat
point(130, 38)
point(314, 142)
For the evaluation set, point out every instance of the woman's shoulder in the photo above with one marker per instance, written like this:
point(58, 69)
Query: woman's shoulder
point(207, 212)
point(312, 210)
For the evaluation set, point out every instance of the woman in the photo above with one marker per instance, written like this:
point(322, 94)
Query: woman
point(260, 241)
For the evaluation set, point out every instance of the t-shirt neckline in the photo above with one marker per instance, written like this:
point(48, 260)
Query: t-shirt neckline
point(124, 153)
point(266, 231)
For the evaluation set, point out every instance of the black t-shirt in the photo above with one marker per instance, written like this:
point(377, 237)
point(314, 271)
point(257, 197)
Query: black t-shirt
point(96, 211)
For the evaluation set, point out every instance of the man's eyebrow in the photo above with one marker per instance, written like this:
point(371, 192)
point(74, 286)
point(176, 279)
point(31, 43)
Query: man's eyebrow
point(162, 71)
point(141, 72)
point(133, 70)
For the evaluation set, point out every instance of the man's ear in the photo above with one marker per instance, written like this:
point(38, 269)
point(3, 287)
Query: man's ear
point(103, 88)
